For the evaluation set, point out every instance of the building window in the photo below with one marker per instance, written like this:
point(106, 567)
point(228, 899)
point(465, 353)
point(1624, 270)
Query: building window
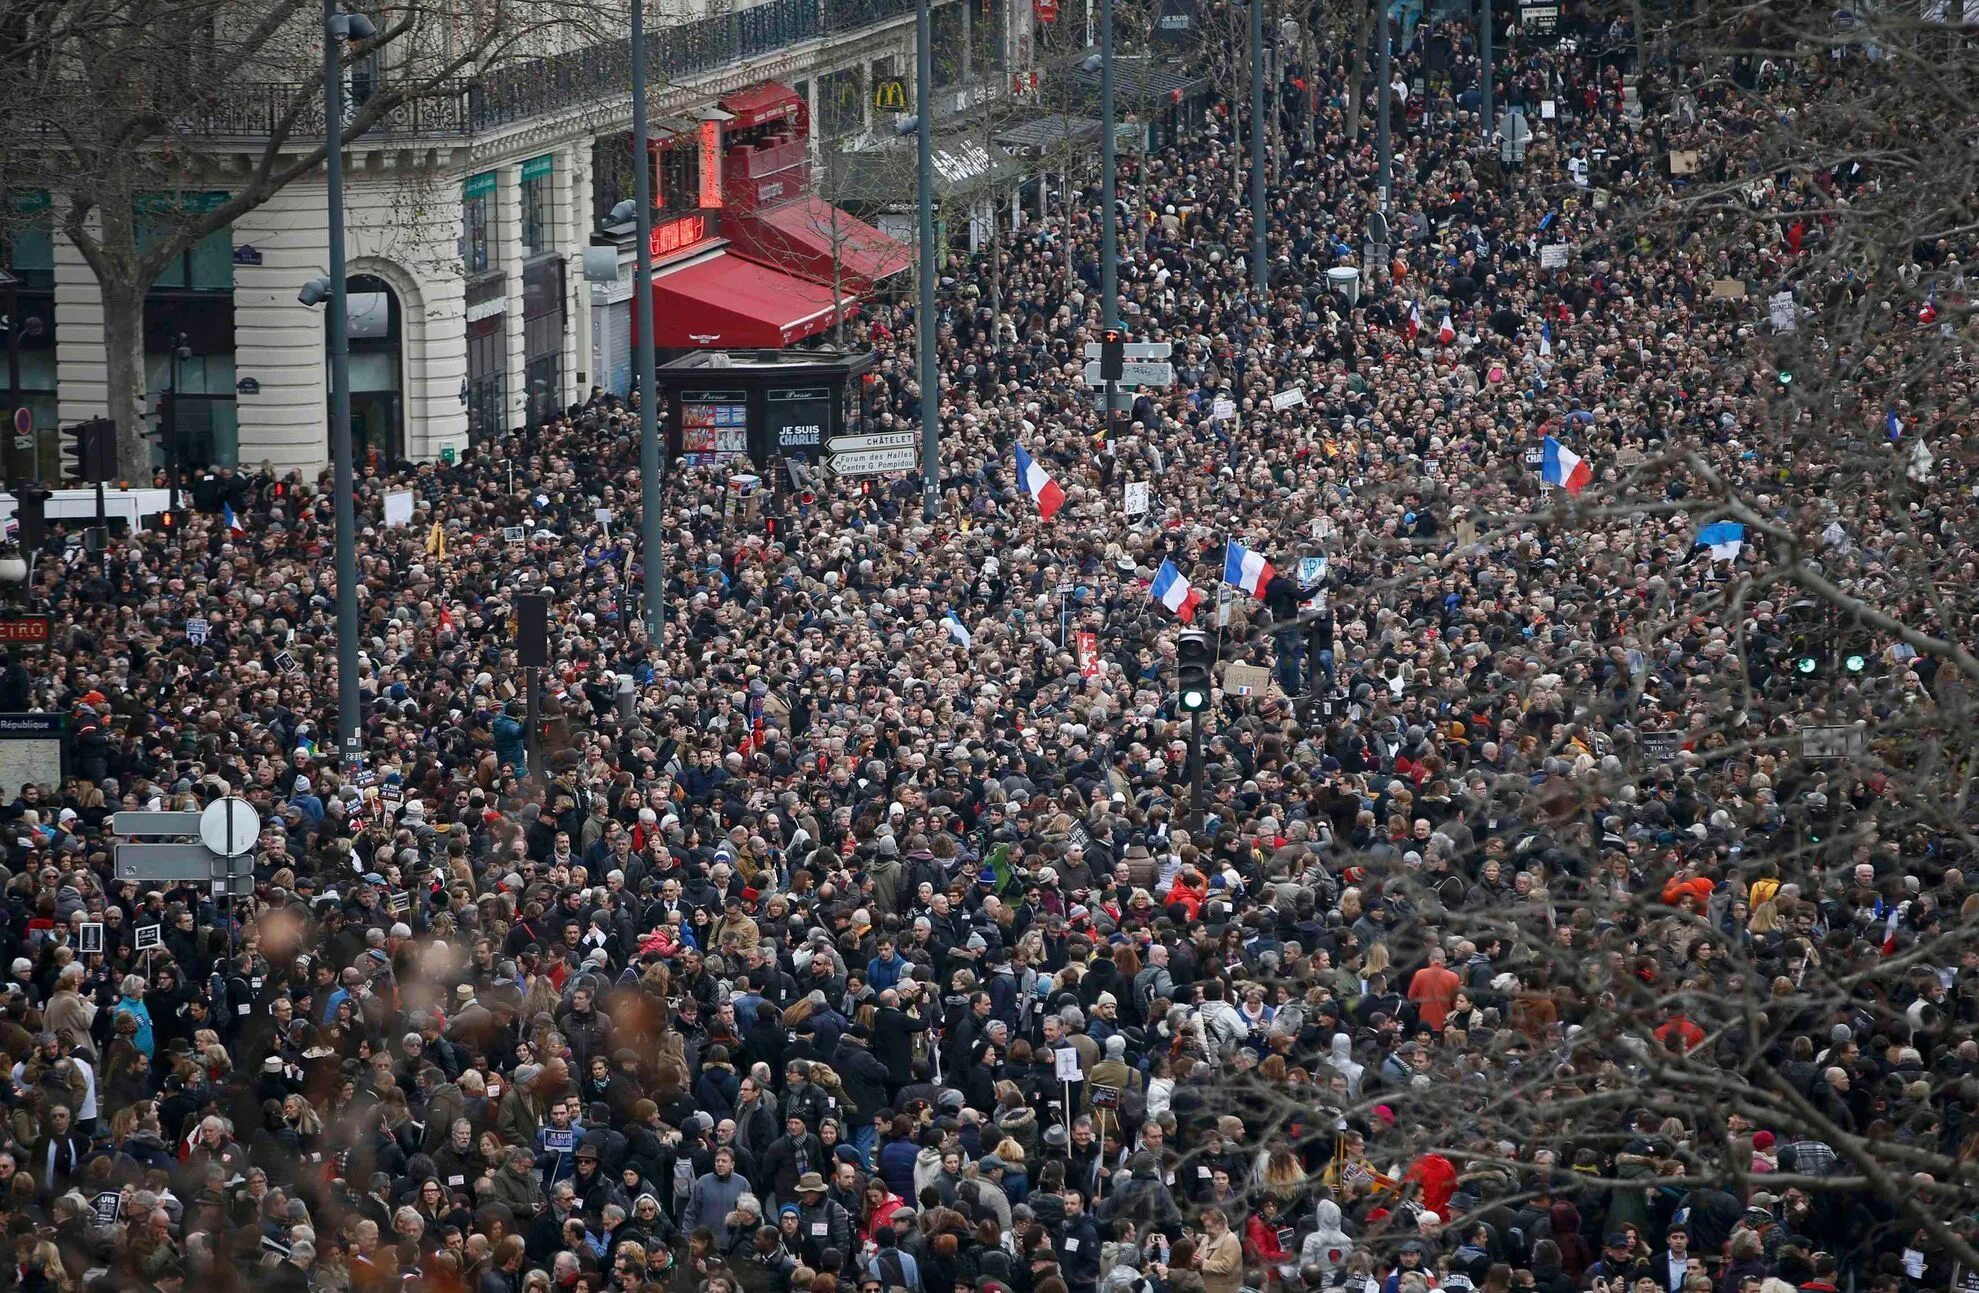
point(27, 240)
point(537, 176)
point(542, 335)
point(487, 385)
point(842, 102)
point(477, 238)
point(208, 265)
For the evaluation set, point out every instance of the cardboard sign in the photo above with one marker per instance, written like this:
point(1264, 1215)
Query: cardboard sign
point(196, 630)
point(1222, 410)
point(1728, 289)
point(1783, 313)
point(512, 534)
point(1554, 255)
point(1312, 571)
point(560, 1142)
point(1067, 1061)
point(148, 936)
point(108, 1206)
point(287, 663)
point(1683, 161)
point(1136, 499)
point(1288, 399)
point(1246, 679)
point(90, 936)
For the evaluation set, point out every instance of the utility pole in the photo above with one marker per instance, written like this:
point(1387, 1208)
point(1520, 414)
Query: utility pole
point(924, 314)
point(652, 521)
point(1260, 271)
point(1385, 74)
point(338, 29)
point(1109, 233)
point(1484, 51)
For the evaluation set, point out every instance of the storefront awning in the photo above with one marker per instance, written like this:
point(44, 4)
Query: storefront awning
point(721, 301)
point(814, 239)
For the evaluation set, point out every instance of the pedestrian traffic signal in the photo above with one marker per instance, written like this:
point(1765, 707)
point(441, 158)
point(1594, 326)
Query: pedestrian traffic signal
point(168, 521)
point(1192, 661)
point(1112, 354)
point(89, 450)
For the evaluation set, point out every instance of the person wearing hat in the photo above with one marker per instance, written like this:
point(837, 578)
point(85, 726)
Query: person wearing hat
point(823, 1225)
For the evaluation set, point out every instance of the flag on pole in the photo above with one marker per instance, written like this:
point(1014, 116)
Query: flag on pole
point(1893, 425)
point(1038, 484)
point(1173, 591)
point(1445, 332)
point(1545, 341)
point(1724, 538)
point(958, 630)
point(1565, 468)
point(1890, 930)
point(1413, 326)
point(233, 522)
point(1245, 569)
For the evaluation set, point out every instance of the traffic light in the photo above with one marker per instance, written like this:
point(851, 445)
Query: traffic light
point(89, 450)
point(1112, 354)
point(1192, 661)
point(776, 528)
point(31, 513)
point(168, 521)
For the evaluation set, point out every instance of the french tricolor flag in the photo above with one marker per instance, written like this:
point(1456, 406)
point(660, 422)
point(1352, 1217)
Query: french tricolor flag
point(1245, 569)
point(1565, 468)
point(1446, 332)
point(1413, 325)
point(1173, 591)
point(233, 522)
point(1038, 484)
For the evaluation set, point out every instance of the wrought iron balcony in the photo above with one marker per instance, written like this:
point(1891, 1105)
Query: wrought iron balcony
point(557, 83)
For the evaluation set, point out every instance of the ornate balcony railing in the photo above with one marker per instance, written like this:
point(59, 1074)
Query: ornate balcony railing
point(557, 83)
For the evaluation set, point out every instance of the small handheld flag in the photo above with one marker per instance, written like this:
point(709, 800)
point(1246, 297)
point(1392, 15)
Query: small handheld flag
point(1414, 325)
point(1245, 569)
point(1724, 538)
point(1893, 425)
point(1038, 484)
point(1173, 591)
point(1563, 467)
point(1445, 331)
point(958, 630)
point(1545, 341)
point(232, 521)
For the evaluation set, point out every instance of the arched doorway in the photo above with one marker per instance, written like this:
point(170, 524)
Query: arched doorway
point(377, 366)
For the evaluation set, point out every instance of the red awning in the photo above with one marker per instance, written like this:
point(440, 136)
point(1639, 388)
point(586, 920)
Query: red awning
point(807, 236)
point(770, 101)
point(724, 302)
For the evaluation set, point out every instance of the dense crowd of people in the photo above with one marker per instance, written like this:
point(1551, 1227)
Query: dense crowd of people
point(848, 953)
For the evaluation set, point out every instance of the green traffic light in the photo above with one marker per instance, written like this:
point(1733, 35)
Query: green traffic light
point(1855, 662)
point(1193, 700)
point(1806, 664)
point(1786, 378)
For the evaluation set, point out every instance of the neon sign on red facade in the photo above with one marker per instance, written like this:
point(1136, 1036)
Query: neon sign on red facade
point(679, 233)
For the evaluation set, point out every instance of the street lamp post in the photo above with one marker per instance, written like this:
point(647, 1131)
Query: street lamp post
point(652, 524)
point(338, 30)
point(181, 351)
point(1384, 73)
point(1260, 269)
point(924, 314)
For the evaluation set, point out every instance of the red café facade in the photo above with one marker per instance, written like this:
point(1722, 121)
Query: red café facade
point(746, 255)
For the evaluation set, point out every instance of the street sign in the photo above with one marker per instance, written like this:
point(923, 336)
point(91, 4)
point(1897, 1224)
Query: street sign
point(191, 860)
point(1133, 350)
point(164, 862)
point(25, 630)
point(230, 827)
point(1136, 372)
point(877, 440)
point(24, 420)
point(153, 825)
point(875, 462)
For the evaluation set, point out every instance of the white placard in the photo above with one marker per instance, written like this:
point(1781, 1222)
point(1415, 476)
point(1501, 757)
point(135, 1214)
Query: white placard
point(148, 936)
point(1312, 571)
point(90, 936)
point(1136, 498)
point(1068, 1065)
point(1554, 255)
point(1784, 314)
point(398, 507)
point(1223, 408)
point(1288, 399)
point(603, 516)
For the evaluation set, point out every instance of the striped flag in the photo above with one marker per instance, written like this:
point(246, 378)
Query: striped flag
point(1245, 569)
point(233, 522)
point(958, 630)
point(1563, 467)
point(1038, 484)
point(1172, 590)
point(1446, 332)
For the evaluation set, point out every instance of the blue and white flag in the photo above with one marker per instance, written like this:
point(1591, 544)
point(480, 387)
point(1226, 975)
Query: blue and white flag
point(1724, 538)
point(1893, 425)
point(958, 630)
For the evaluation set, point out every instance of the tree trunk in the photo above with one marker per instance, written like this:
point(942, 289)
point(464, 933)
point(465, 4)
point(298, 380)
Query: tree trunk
point(1356, 64)
point(121, 277)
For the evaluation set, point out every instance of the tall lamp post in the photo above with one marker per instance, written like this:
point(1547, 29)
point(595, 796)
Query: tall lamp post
point(338, 30)
point(924, 314)
point(652, 525)
point(1384, 73)
point(1260, 270)
point(181, 352)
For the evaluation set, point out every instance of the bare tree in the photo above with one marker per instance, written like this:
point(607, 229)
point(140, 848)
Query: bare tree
point(116, 106)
